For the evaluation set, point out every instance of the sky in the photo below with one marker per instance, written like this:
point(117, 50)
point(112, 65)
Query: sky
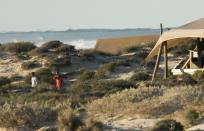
point(33, 15)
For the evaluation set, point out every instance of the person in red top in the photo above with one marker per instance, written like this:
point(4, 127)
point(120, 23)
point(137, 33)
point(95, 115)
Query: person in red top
point(58, 81)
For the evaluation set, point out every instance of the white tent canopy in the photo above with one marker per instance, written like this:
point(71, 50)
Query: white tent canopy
point(192, 30)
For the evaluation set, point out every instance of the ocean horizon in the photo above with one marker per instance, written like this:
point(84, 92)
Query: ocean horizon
point(80, 38)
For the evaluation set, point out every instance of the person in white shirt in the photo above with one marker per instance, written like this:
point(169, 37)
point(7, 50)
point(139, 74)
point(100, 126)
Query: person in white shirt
point(34, 81)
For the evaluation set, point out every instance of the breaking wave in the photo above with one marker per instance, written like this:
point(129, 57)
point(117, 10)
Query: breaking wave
point(82, 44)
point(79, 44)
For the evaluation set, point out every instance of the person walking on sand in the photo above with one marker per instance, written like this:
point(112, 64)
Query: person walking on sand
point(34, 81)
point(58, 81)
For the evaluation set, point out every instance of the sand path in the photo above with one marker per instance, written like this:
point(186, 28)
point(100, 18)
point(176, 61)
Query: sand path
point(131, 124)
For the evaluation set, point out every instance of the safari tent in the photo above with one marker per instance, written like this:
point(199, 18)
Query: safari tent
point(195, 60)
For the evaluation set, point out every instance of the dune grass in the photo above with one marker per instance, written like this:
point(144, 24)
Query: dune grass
point(147, 102)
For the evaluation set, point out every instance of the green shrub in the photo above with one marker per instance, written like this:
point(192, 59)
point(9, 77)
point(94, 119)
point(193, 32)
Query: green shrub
point(38, 51)
point(19, 86)
point(51, 44)
point(199, 75)
point(43, 74)
point(65, 49)
point(168, 125)
point(187, 79)
point(16, 78)
point(86, 75)
point(138, 47)
point(99, 88)
point(4, 81)
point(103, 53)
point(29, 65)
point(110, 67)
point(192, 116)
point(183, 47)
point(19, 47)
point(105, 69)
point(179, 51)
point(132, 49)
point(59, 62)
point(122, 63)
point(22, 56)
point(139, 76)
point(141, 54)
point(87, 54)
point(151, 64)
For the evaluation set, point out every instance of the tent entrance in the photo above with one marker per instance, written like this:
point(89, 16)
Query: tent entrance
point(193, 62)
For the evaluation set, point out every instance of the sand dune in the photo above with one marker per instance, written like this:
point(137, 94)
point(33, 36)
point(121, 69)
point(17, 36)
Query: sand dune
point(116, 45)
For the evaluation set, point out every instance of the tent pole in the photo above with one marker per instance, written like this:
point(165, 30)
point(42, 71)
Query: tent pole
point(158, 56)
point(157, 62)
point(165, 61)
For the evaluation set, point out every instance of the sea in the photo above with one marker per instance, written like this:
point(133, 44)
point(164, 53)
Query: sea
point(80, 38)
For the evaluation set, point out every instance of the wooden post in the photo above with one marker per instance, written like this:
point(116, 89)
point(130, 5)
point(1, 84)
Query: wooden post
point(161, 29)
point(165, 60)
point(158, 56)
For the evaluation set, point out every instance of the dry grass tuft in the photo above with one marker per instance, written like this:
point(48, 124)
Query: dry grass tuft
point(70, 120)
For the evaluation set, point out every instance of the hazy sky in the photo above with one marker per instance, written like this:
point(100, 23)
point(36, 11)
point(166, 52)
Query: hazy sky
point(27, 15)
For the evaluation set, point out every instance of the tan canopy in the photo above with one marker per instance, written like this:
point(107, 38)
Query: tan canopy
point(191, 30)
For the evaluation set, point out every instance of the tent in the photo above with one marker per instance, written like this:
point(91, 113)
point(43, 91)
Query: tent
point(194, 29)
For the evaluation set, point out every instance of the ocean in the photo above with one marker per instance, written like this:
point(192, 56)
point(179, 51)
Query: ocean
point(80, 38)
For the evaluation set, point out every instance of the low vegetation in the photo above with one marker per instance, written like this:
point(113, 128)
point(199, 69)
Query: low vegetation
point(86, 75)
point(88, 85)
point(140, 76)
point(183, 47)
point(18, 47)
point(102, 91)
point(24, 115)
point(151, 102)
point(29, 65)
point(32, 110)
point(54, 61)
point(138, 47)
point(192, 116)
point(37, 51)
point(51, 45)
point(70, 120)
point(68, 49)
point(44, 76)
point(105, 69)
point(87, 54)
point(4, 81)
point(168, 125)
point(198, 75)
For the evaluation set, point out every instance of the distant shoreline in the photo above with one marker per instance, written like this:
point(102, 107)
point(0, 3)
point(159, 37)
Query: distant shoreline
point(83, 29)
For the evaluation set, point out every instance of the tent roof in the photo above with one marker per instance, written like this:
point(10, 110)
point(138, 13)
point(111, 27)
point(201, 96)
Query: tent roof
point(191, 30)
point(198, 24)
